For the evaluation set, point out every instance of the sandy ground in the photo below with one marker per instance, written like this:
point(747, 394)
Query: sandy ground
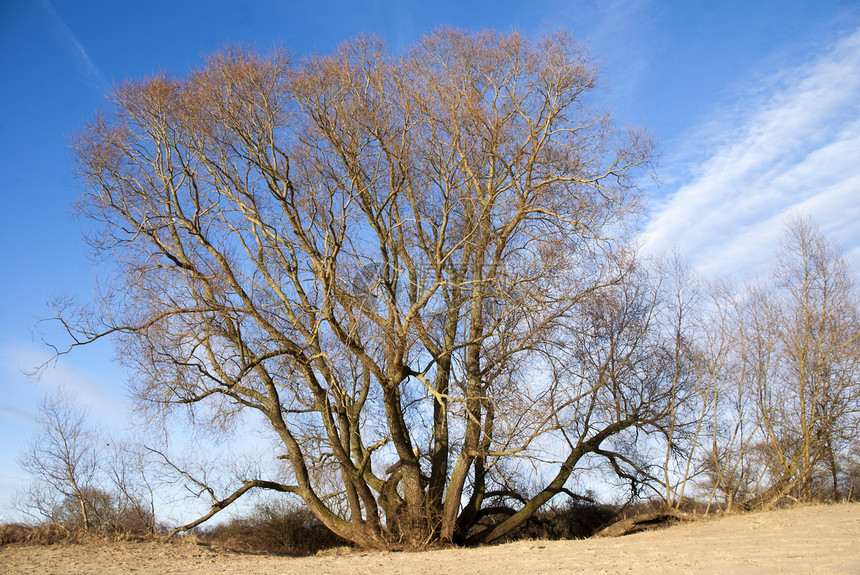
point(817, 539)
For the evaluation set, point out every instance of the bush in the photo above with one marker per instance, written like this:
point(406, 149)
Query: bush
point(573, 520)
point(275, 528)
point(107, 513)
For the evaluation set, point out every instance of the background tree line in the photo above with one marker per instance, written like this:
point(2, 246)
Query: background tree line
point(421, 273)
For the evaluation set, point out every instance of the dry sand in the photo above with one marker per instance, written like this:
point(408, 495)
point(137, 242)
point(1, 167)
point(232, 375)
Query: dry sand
point(816, 539)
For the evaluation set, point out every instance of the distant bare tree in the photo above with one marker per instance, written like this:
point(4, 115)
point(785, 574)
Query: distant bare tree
point(62, 461)
point(808, 384)
point(414, 268)
point(77, 479)
point(728, 473)
point(695, 364)
point(794, 360)
point(128, 471)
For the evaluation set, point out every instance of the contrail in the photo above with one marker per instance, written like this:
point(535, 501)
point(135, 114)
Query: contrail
point(92, 74)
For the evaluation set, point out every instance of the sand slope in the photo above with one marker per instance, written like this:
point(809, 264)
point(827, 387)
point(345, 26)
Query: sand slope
point(816, 539)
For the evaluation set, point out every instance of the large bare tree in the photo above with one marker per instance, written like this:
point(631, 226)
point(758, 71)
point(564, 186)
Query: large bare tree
point(414, 267)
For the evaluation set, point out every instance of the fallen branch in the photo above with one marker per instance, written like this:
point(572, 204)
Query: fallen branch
point(642, 522)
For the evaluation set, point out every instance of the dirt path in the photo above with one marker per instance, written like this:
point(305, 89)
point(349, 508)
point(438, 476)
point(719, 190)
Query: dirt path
point(819, 539)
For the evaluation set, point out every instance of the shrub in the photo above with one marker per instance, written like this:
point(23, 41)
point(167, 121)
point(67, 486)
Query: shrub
point(277, 528)
point(573, 520)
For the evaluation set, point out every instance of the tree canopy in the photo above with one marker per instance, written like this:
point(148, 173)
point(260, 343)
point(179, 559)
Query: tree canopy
point(417, 268)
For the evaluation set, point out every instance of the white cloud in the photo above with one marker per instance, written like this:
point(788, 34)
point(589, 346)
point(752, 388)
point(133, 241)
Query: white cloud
point(791, 144)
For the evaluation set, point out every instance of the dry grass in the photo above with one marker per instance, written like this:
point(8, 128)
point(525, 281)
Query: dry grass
point(55, 533)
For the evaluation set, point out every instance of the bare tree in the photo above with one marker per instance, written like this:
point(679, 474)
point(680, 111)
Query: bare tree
point(129, 477)
point(695, 359)
point(392, 260)
point(79, 479)
point(62, 460)
point(808, 393)
point(794, 360)
point(725, 461)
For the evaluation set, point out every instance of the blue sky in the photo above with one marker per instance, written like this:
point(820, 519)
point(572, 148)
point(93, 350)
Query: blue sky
point(756, 105)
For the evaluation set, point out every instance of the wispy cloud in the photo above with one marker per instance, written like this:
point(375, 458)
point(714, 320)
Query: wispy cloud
point(19, 357)
point(790, 144)
point(90, 72)
point(618, 34)
point(17, 415)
